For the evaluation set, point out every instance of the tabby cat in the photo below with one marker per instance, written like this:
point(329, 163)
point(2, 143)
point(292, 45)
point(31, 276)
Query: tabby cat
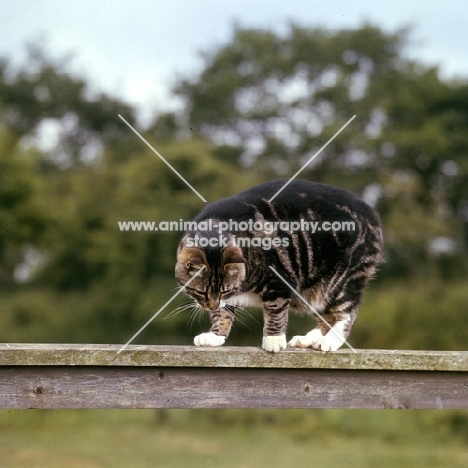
point(264, 260)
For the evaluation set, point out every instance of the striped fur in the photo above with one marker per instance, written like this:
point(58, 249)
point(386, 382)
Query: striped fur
point(329, 269)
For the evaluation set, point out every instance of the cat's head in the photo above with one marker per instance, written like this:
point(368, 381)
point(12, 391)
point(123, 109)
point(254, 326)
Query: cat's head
point(221, 278)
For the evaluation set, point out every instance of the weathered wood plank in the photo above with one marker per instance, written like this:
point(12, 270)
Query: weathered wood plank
point(97, 376)
point(231, 357)
point(177, 387)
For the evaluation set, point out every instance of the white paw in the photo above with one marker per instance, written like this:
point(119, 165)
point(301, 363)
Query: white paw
point(274, 344)
point(209, 339)
point(313, 339)
point(332, 340)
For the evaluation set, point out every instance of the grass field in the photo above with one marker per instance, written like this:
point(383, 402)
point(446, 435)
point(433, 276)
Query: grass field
point(233, 438)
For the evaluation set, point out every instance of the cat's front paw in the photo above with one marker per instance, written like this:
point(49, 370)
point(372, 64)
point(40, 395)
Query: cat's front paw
point(209, 339)
point(313, 339)
point(274, 344)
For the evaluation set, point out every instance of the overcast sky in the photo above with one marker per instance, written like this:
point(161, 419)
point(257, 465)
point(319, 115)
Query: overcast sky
point(136, 48)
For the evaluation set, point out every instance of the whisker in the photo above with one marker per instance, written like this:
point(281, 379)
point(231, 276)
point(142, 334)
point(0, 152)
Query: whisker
point(250, 316)
point(200, 315)
point(196, 312)
point(241, 321)
point(179, 309)
point(189, 321)
point(240, 313)
point(246, 312)
point(184, 306)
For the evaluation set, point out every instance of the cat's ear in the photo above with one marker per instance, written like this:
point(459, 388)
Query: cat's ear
point(191, 258)
point(232, 256)
point(234, 263)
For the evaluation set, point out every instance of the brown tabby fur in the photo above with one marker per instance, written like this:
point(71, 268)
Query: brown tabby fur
point(329, 269)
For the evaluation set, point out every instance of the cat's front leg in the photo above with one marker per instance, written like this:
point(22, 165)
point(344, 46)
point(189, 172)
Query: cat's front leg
point(221, 322)
point(275, 316)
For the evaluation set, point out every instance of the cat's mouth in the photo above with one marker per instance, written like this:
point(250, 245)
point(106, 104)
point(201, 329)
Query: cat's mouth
point(222, 305)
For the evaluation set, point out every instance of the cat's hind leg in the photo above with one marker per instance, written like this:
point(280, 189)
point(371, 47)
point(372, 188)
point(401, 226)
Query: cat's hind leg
point(337, 334)
point(342, 314)
point(329, 334)
point(313, 339)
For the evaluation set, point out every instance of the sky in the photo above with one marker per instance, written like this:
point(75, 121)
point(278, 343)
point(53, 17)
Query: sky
point(137, 49)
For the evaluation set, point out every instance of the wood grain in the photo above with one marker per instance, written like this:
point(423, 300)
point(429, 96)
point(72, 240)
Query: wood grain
point(95, 376)
point(228, 356)
point(176, 387)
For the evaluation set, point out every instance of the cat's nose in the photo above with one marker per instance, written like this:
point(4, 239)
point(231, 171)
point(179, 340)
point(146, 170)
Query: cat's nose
point(213, 304)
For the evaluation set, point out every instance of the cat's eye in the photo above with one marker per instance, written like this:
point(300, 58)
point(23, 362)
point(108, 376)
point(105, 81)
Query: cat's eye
point(195, 291)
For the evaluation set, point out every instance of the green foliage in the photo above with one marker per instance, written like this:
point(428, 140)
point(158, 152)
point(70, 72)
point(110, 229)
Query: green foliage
point(280, 97)
point(261, 107)
point(413, 315)
point(116, 269)
point(276, 99)
point(23, 217)
point(228, 438)
point(45, 93)
point(104, 282)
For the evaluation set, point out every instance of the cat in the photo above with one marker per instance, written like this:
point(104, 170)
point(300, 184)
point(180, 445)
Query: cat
point(259, 255)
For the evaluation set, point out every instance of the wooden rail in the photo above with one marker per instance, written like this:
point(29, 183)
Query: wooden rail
point(96, 376)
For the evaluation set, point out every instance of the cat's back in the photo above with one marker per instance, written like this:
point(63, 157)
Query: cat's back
point(295, 200)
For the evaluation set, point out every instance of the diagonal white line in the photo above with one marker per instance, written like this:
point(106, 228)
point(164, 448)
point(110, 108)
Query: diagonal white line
point(160, 310)
point(308, 305)
point(313, 157)
point(162, 159)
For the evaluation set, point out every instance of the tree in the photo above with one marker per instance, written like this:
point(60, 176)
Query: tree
point(275, 99)
point(23, 213)
point(65, 208)
point(44, 95)
point(281, 97)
